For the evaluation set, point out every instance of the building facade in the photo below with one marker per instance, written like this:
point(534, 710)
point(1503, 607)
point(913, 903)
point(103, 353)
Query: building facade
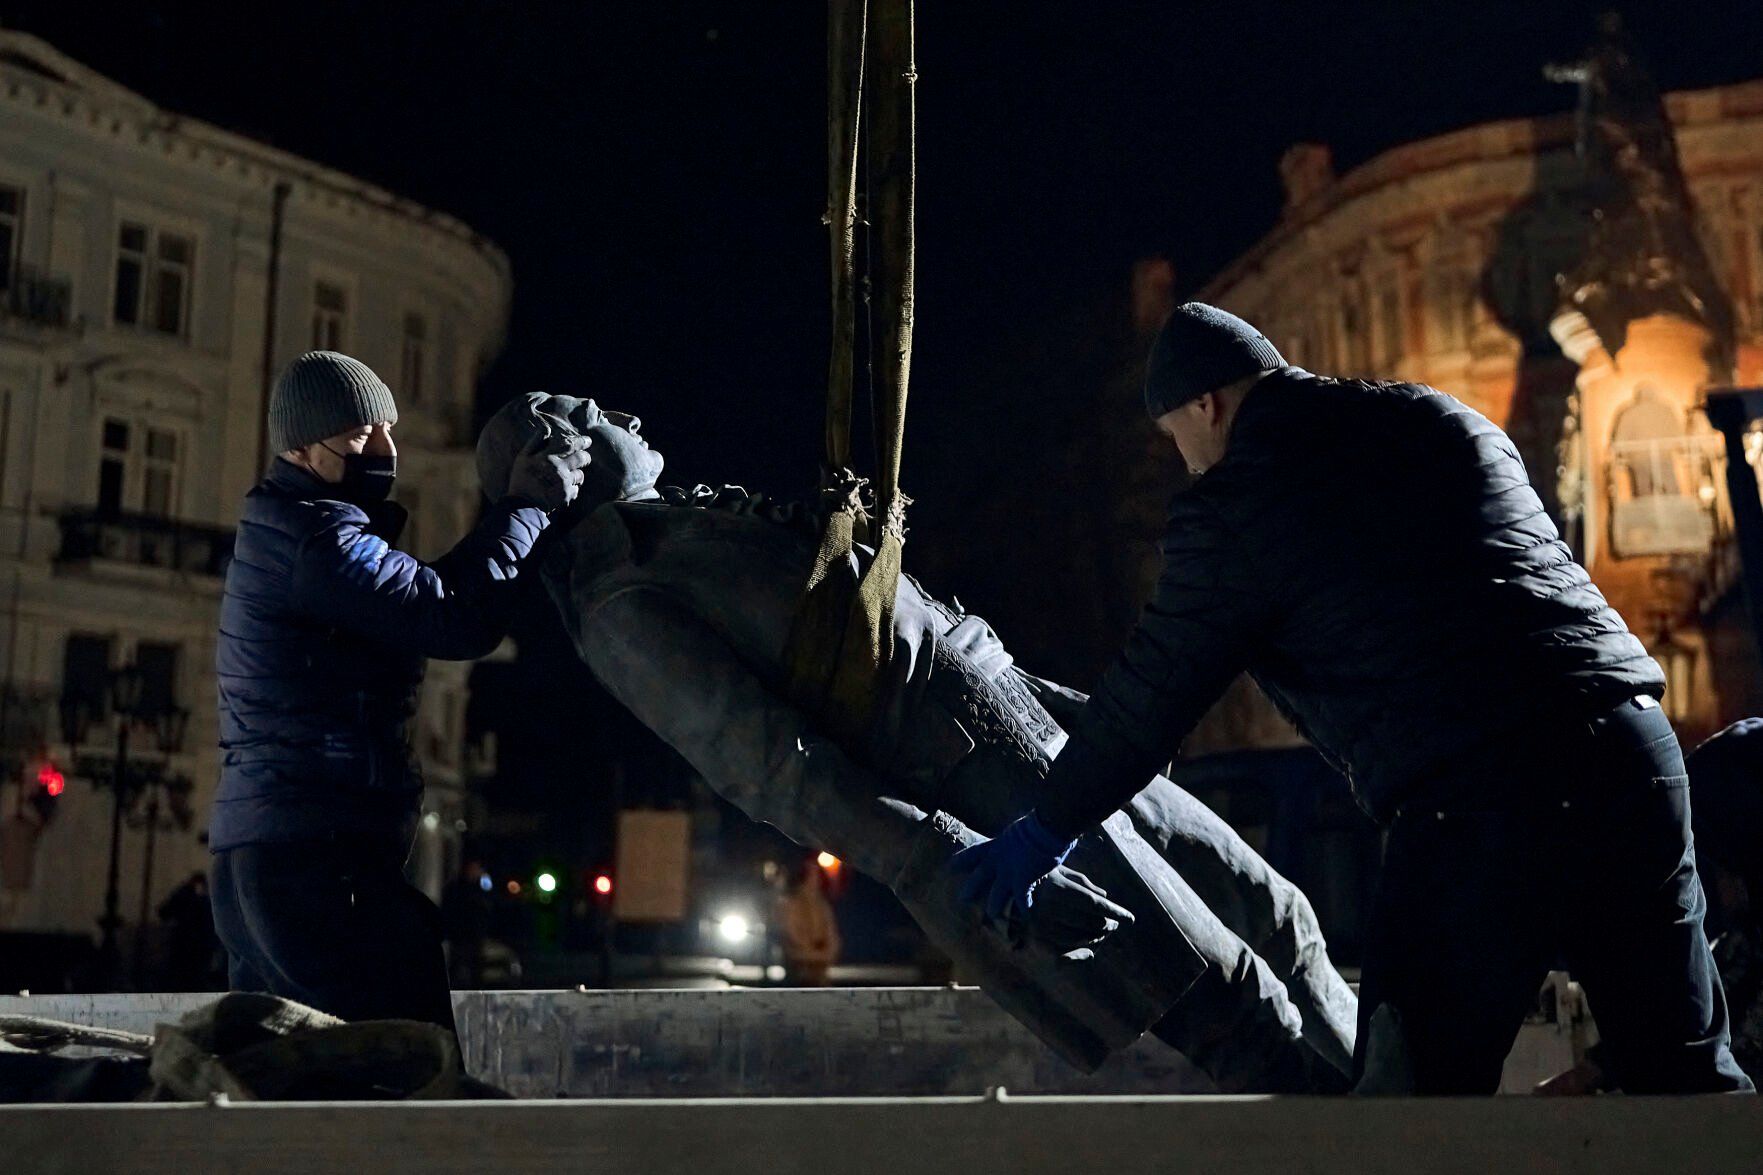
point(157, 271)
point(1450, 262)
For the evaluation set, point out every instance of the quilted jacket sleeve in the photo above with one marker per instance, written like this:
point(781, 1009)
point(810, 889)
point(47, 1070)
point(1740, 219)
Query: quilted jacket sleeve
point(455, 609)
point(1192, 639)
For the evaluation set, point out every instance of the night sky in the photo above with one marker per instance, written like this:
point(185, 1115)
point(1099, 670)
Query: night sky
point(655, 170)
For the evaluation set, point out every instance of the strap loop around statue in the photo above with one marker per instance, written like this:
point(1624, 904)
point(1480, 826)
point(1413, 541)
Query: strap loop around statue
point(842, 635)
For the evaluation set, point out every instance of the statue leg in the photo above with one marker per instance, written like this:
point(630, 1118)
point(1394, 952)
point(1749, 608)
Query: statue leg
point(1246, 894)
point(1238, 1023)
point(1254, 903)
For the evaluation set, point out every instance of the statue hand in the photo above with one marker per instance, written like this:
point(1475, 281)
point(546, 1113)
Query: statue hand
point(1070, 911)
point(548, 473)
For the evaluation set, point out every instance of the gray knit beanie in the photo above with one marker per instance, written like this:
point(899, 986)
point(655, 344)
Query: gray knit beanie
point(1202, 349)
point(321, 394)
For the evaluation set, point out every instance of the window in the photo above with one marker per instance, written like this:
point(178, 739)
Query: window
point(1356, 336)
point(113, 466)
point(1452, 296)
point(1389, 321)
point(1328, 344)
point(154, 275)
point(85, 673)
point(159, 473)
point(1757, 285)
point(414, 356)
point(330, 315)
point(158, 664)
point(1646, 421)
point(11, 232)
point(1661, 481)
point(138, 466)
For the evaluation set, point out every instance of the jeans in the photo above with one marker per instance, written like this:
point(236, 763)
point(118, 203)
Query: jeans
point(331, 924)
point(1576, 853)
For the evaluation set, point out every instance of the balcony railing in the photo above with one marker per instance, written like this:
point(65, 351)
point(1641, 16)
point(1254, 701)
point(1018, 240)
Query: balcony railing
point(141, 540)
point(1664, 494)
point(35, 297)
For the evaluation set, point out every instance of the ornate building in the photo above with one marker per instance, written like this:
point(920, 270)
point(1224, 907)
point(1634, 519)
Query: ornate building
point(154, 272)
point(1582, 281)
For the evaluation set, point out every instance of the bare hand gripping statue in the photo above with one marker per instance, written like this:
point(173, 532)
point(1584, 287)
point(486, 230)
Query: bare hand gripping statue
point(680, 603)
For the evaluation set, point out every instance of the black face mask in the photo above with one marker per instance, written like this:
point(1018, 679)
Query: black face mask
point(367, 477)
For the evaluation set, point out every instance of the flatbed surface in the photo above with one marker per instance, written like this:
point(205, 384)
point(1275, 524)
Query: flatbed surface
point(889, 1136)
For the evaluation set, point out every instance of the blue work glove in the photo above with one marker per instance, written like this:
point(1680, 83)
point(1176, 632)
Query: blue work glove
point(1005, 869)
point(362, 559)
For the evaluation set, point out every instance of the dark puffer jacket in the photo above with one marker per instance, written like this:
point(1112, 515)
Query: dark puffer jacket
point(1374, 555)
point(321, 650)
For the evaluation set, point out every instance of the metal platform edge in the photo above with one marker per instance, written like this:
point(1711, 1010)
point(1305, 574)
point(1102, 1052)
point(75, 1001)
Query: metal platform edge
point(884, 1136)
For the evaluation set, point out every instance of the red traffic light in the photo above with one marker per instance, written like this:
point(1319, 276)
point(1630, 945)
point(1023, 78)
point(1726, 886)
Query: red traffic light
point(602, 885)
point(51, 780)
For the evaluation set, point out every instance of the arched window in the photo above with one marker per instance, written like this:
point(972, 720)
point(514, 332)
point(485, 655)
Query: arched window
point(1660, 480)
point(1356, 335)
point(1392, 338)
point(1453, 295)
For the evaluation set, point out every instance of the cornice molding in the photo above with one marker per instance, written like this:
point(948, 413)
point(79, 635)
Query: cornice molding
point(1504, 142)
point(38, 79)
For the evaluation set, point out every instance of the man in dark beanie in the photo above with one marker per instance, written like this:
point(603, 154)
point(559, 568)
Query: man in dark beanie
point(324, 629)
point(1374, 555)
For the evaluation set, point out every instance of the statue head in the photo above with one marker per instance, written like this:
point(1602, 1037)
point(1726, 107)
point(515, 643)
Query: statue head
point(621, 465)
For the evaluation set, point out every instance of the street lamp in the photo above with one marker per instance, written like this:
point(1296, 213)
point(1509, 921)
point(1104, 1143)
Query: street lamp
point(170, 725)
point(126, 687)
point(76, 721)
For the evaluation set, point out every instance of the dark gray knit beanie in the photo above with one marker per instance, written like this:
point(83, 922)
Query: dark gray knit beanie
point(1202, 349)
point(321, 394)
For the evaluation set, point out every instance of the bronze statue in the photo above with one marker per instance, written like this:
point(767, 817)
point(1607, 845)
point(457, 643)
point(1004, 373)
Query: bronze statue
point(681, 603)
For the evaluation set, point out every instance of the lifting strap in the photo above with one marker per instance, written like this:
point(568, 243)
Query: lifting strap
point(842, 634)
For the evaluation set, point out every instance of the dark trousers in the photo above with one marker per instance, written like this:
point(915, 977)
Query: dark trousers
point(333, 925)
point(1580, 858)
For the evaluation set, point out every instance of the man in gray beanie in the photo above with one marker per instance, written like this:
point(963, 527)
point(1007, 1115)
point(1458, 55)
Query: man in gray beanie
point(1374, 556)
point(324, 629)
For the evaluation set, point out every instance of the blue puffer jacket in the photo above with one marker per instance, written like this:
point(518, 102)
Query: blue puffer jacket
point(323, 635)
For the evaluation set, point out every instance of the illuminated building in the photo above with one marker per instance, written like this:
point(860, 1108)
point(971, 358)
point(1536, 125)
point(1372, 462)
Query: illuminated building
point(135, 250)
point(1455, 261)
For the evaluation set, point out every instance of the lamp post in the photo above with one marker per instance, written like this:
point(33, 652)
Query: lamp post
point(126, 687)
point(169, 728)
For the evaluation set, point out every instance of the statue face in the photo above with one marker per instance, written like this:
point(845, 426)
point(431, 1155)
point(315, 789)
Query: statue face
point(621, 465)
point(624, 467)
